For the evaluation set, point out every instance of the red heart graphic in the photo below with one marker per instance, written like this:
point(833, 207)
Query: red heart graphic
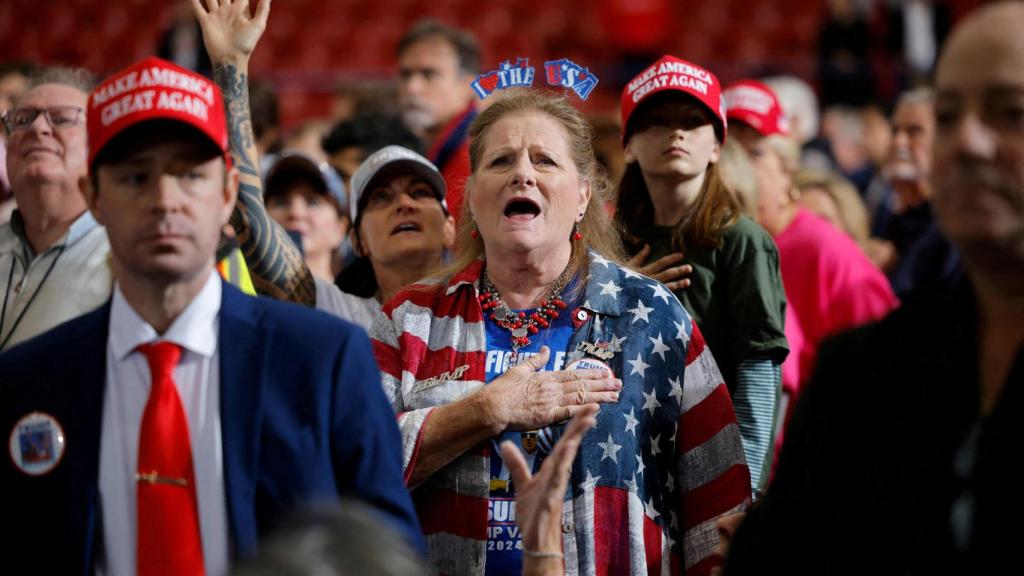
point(582, 76)
point(489, 82)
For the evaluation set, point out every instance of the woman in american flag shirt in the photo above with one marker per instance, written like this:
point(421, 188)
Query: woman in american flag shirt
point(534, 319)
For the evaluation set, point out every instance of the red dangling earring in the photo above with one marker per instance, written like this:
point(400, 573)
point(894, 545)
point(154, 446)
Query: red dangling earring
point(576, 234)
point(474, 234)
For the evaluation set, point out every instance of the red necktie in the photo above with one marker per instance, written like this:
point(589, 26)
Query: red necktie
point(168, 514)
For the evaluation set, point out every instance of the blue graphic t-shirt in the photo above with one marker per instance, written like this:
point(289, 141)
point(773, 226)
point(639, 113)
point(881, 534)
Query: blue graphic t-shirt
point(504, 543)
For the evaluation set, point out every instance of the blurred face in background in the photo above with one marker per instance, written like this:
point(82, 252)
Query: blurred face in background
point(346, 161)
point(313, 215)
point(12, 85)
point(877, 135)
point(432, 89)
point(774, 179)
point(913, 130)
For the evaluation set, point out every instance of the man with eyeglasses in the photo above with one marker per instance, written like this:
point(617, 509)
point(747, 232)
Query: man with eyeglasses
point(53, 255)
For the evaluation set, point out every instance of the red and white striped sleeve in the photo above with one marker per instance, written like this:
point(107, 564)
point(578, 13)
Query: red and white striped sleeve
point(411, 423)
point(712, 471)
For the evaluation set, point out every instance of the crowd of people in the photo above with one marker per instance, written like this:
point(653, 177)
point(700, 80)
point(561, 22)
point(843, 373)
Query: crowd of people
point(462, 336)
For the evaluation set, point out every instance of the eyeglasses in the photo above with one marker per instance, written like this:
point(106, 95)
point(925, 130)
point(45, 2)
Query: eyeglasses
point(57, 116)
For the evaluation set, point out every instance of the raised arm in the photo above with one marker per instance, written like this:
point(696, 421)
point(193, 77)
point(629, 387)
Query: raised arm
point(230, 33)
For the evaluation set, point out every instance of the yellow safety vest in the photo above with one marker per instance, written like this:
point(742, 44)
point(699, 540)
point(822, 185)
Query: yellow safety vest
point(234, 269)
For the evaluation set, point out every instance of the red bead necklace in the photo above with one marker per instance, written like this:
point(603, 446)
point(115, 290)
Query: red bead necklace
point(521, 324)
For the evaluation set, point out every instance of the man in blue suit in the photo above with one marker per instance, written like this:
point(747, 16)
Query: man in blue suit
point(167, 431)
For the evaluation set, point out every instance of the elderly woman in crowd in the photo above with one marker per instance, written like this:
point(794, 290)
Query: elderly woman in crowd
point(401, 230)
point(533, 320)
point(829, 282)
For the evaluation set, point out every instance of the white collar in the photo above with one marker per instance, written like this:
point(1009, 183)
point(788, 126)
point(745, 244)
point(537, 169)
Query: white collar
point(195, 329)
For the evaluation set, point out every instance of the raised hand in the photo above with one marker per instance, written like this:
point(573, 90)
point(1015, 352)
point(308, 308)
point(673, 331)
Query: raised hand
point(525, 399)
point(663, 269)
point(230, 31)
point(539, 498)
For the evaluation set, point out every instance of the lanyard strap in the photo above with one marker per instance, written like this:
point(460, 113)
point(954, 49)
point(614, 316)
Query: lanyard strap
point(7, 294)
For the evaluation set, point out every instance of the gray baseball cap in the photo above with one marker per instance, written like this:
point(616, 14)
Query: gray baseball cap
point(392, 161)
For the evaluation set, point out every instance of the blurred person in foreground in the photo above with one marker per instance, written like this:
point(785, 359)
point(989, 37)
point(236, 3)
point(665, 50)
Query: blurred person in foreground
point(182, 418)
point(347, 540)
point(900, 456)
point(533, 319)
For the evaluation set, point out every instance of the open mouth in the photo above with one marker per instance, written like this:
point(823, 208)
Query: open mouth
point(521, 209)
point(406, 227)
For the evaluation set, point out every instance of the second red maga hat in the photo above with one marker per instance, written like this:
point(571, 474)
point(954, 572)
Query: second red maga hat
point(754, 103)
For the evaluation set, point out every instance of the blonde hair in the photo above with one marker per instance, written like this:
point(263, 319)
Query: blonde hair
point(738, 175)
point(787, 149)
point(853, 216)
point(598, 233)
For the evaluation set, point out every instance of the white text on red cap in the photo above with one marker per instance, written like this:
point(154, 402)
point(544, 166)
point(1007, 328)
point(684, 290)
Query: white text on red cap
point(155, 77)
point(681, 75)
point(141, 101)
point(174, 94)
point(749, 98)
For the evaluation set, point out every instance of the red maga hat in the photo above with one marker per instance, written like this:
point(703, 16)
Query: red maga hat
point(754, 103)
point(671, 73)
point(155, 89)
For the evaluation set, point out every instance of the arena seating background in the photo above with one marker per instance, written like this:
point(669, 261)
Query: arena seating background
point(311, 45)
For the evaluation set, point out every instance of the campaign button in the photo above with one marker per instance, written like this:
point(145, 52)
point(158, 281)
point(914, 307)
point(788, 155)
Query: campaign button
point(589, 364)
point(37, 443)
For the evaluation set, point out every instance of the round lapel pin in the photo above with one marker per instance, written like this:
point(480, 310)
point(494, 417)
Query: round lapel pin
point(37, 443)
point(589, 364)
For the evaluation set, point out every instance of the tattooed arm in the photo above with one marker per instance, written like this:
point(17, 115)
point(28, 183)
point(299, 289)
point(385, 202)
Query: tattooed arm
point(276, 266)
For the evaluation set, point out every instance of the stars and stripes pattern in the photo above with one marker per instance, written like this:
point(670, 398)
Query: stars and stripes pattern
point(660, 466)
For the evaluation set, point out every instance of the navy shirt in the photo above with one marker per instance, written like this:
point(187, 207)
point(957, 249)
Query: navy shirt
point(504, 542)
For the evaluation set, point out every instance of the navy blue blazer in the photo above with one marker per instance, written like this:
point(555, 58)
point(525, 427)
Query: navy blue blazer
point(303, 418)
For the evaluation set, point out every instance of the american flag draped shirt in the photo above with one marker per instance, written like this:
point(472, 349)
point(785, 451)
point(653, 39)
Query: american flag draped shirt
point(650, 479)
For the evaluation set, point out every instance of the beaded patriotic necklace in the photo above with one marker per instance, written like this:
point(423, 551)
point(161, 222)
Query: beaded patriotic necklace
point(520, 324)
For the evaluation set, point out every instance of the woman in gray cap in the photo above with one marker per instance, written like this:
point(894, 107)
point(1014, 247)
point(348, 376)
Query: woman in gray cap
point(400, 231)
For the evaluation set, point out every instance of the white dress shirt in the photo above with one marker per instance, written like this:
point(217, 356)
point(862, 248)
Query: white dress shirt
point(197, 378)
